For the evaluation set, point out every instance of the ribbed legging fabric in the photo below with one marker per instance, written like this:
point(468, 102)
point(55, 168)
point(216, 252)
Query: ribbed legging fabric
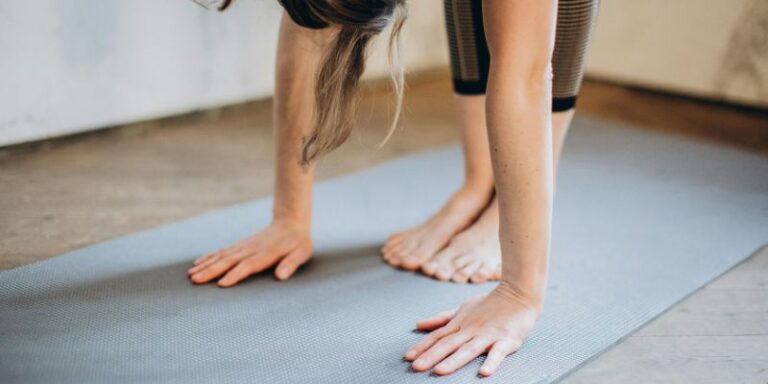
point(470, 59)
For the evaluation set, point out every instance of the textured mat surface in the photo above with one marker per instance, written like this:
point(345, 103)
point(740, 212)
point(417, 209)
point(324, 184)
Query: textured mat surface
point(641, 221)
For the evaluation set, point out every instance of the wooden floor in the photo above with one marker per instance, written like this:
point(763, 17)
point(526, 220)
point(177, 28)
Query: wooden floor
point(64, 194)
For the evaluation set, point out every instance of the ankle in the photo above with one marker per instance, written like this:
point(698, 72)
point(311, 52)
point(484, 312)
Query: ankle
point(480, 180)
point(470, 197)
point(477, 184)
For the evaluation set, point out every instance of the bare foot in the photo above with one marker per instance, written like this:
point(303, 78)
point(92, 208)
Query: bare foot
point(473, 254)
point(411, 248)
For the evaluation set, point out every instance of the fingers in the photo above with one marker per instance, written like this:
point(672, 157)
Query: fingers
point(246, 267)
point(429, 340)
point(464, 355)
point(496, 355)
point(446, 346)
point(455, 350)
point(205, 263)
point(214, 270)
point(251, 265)
point(216, 267)
point(290, 263)
point(259, 262)
point(204, 258)
point(435, 321)
point(242, 270)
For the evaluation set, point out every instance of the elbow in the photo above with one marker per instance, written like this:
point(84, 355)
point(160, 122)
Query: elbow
point(540, 76)
point(535, 79)
point(523, 84)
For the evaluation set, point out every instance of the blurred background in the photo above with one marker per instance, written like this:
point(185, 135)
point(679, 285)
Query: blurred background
point(85, 64)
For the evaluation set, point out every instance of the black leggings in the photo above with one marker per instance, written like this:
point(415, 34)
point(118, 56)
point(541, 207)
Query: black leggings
point(470, 58)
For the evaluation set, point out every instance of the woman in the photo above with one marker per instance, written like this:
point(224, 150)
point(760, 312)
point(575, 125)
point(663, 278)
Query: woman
point(506, 199)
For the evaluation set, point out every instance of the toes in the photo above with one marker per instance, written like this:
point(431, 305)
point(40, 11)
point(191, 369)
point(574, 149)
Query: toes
point(491, 271)
point(496, 272)
point(396, 256)
point(407, 256)
point(415, 259)
point(445, 271)
point(429, 268)
point(462, 275)
point(483, 274)
point(391, 243)
point(462, 261)
point(395, 237)
point(480, 276)
point(386, 255)
point(442, 259)
point(443, 274)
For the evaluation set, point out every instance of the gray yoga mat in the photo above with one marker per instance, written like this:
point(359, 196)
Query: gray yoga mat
point(641, 221)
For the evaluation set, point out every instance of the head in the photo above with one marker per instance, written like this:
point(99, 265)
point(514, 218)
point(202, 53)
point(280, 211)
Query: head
point(337, 80)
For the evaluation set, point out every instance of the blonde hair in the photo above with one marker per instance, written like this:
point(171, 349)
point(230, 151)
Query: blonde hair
point(338, 78)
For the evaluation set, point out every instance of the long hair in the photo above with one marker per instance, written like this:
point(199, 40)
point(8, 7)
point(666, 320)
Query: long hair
point(337, 80)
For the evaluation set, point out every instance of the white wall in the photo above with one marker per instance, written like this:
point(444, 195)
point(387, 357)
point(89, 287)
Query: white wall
point(75, 65)
point(716, 49)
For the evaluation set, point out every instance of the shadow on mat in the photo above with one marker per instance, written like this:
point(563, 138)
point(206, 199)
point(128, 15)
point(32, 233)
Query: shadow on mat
point(170, 280)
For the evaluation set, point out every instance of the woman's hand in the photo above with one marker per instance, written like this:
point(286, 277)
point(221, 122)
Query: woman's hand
point(284, 242)
point(496, 323)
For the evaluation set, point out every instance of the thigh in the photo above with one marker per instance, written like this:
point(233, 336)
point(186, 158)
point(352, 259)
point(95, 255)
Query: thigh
point(575, 23)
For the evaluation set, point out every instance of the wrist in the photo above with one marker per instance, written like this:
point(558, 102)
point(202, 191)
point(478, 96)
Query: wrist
point(529, 296)
point(298, 219)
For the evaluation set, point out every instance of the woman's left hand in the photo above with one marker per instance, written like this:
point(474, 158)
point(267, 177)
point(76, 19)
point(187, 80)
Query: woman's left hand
point(496, 323)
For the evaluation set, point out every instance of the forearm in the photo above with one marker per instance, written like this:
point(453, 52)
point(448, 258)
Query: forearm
point(519, 126)
point(298, 54)
point(522, 157)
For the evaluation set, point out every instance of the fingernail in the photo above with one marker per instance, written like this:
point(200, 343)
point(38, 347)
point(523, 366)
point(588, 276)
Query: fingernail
point(419, 362)
point(409, 354)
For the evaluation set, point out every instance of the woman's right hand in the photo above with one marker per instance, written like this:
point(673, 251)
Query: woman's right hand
point(287, 243)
